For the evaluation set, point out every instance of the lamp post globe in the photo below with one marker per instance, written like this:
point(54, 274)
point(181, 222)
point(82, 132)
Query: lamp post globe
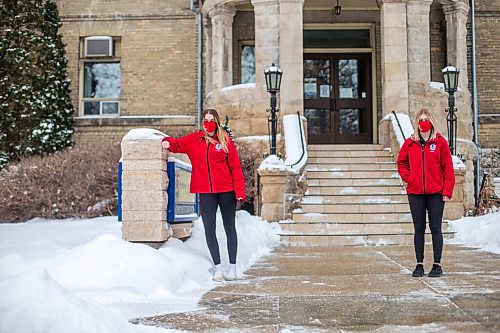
point(273, 76)
point(450, 74)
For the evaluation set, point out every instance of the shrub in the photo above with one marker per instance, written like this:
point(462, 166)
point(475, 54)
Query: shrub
point(81, 182)
point(250, 159)
point(77, 182)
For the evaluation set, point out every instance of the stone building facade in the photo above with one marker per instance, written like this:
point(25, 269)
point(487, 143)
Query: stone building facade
point(344, 72)
point(487, 17)
point(149, 77)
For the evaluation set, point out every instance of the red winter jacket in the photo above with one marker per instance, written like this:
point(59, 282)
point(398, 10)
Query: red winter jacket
point(427, 170)
point(213, 170)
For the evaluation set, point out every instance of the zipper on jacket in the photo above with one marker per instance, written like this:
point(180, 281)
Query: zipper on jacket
point(423, 165)
point(208, 165)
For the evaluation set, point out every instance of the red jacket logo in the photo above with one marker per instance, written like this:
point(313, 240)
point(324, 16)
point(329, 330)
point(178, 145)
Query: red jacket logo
point(432, 147)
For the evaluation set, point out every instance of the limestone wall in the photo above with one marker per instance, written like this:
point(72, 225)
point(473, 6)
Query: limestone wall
point(245, 105)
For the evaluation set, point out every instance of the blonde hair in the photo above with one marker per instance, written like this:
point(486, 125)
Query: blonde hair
point(431, 119)
point(222, 134)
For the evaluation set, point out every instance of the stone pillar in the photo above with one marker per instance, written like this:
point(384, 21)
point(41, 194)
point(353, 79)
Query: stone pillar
point(274, 184)
point(419, 69)
point(394, 56)
point(456, 15)
point(222, 45)
point(454, 209)
point(291, 56)
point(144, 184)
point(207, 29)
point(267, 31)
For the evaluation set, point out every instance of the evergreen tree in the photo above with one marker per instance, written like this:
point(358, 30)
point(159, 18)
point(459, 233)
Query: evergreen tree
point(35, 106)
point(228, 129)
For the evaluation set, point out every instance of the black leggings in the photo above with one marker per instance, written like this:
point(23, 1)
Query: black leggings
point(434, 204)
point(208, 206)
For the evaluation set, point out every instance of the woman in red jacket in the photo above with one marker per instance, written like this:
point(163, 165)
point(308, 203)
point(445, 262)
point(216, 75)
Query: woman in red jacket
point(218, 178)
point(425, 164)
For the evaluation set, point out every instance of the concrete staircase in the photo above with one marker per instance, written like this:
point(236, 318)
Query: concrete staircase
point(355, 197)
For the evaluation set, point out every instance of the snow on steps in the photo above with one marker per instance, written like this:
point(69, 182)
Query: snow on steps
point(354, 197)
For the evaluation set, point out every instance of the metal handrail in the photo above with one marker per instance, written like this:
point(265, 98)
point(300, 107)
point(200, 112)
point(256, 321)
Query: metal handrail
point(301, 141)
point(399, 125)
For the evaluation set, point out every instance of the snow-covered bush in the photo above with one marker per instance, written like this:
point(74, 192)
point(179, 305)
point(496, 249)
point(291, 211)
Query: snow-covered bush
point(79, 181)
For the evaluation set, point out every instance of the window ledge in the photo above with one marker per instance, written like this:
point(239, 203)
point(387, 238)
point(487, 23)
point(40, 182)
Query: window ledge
point(177, 120)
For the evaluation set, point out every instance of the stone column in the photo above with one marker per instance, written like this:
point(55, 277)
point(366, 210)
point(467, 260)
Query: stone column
point(291, 56)
point(419, 69)
point(456, 42)
point(267, 29)
point(222, 45)
point(394, 56)
point(144, 184)
point(207, 30)
point(274, 184)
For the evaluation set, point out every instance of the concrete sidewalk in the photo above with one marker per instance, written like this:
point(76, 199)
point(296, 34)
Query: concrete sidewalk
point(353, 288)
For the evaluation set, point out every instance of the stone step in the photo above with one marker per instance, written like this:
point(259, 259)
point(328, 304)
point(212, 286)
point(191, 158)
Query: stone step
point(346, 240)
point(349, 167)
point(359, 199)
point(344, 147)
point(349, 159)
point(346, 188)
point(348, 153)
point(376, 174)
point(356, 208)
point(337, 229)
point(353, 182)
point(355, 196)
point(306, 217)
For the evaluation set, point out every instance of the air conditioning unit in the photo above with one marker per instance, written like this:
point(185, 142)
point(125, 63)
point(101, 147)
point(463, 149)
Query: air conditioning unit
point(98, 46)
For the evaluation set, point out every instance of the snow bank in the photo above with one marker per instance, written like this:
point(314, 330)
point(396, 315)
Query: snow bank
point(80, 276)
point(34, 302)
point(481, 231)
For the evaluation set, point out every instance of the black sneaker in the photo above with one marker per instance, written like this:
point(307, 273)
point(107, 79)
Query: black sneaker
point(419, 271)
point(436, 271)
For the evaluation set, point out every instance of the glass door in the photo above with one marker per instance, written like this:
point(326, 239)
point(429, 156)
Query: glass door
point(338, 98)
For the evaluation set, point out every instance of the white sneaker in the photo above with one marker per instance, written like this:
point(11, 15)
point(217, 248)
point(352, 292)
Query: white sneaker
point(218, 276)
point(230, 275)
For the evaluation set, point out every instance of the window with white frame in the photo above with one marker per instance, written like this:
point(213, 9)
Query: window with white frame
point(101, 88)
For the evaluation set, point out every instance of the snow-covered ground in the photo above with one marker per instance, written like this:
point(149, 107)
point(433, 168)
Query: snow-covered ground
point(482, 232)
point(80, 276)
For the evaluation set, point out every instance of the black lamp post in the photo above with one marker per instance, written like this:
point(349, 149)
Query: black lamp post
point(337, 8)
point(450, 74)
point(273, 82)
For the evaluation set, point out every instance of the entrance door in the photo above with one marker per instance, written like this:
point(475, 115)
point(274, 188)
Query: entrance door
point(338, 97)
